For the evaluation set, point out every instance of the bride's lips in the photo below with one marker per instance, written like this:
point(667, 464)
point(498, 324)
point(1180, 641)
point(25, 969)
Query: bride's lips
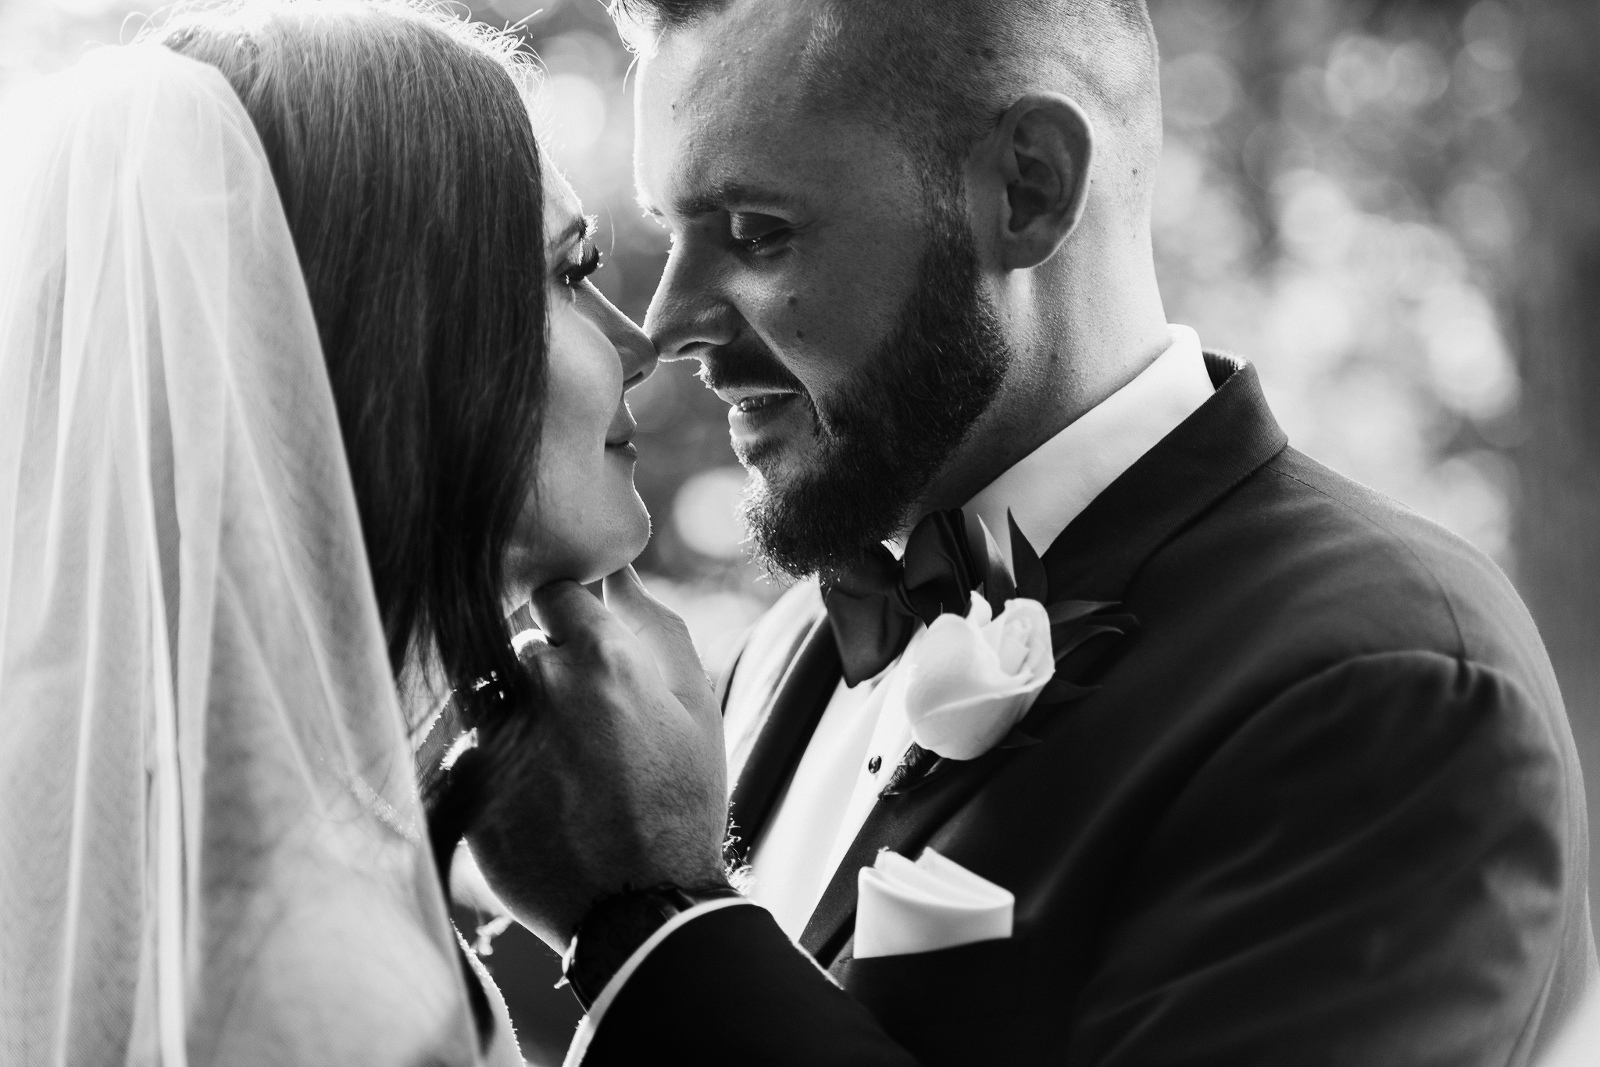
point(757, 412)
point(619, 436)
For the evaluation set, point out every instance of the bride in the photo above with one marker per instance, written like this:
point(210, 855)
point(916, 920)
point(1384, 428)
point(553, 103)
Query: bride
point(302, 387)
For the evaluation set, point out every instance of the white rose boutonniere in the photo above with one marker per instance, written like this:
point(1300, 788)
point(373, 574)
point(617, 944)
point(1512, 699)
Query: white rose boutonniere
point(972, 679)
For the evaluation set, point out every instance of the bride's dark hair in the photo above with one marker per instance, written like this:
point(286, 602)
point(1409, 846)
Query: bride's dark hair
point(402, 149)
point(401, 145)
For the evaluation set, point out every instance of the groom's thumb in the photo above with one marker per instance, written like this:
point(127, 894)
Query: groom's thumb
point(666, 637)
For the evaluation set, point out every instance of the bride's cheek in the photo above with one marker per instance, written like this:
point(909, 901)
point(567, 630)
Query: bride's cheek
point(577, 476)
point(584, 379)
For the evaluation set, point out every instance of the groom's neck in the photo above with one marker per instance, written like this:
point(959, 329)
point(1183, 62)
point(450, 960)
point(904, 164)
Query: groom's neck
point(1078, 332)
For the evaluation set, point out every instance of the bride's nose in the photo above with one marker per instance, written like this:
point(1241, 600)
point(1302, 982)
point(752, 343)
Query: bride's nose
point(634, 350)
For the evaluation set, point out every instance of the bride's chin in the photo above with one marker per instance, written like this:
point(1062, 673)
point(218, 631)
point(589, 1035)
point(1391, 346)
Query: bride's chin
point(620, 544)
point(581, 556)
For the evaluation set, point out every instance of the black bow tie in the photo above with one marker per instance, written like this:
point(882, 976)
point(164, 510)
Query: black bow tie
point(875, 605)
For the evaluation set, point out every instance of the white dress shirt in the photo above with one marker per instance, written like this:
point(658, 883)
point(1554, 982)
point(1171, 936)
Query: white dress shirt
point(864, 732)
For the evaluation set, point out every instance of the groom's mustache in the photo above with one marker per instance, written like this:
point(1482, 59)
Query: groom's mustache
point(748, 368)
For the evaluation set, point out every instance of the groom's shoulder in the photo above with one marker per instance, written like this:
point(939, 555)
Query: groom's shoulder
point(1343, 565)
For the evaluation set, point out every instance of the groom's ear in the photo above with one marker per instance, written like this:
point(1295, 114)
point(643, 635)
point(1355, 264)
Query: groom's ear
point(1036, 167)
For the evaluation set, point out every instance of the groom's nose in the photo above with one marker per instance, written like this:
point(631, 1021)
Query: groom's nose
point(689, 316)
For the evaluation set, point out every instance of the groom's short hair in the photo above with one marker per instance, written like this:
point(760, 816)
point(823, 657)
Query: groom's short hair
point(938, 73)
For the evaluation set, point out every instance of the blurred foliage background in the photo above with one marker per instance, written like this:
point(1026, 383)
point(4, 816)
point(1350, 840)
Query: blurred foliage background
point(1391, 206)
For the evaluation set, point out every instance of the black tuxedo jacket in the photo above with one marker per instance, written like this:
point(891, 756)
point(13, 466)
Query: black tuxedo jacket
point(1323, 808)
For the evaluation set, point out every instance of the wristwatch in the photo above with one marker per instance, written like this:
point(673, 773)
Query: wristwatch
point(617, 925)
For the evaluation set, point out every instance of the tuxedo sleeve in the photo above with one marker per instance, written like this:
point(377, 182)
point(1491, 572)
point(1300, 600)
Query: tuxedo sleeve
point(1375, 869)
point(730, 985)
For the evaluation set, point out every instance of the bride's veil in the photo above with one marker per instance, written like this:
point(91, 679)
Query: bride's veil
point(211, 848)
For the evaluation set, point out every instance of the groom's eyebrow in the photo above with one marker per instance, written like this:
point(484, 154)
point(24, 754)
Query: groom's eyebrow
point(709, 201)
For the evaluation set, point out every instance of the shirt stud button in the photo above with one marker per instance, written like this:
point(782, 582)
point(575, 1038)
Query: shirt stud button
point(873, 764)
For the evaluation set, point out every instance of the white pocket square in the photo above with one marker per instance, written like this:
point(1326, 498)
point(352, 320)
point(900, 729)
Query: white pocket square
point(904, 907)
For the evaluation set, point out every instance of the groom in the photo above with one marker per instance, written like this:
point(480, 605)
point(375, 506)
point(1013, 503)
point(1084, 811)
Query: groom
point(1299, 787)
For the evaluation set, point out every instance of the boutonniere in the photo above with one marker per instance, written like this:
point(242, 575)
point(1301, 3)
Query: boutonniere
point(973, 679)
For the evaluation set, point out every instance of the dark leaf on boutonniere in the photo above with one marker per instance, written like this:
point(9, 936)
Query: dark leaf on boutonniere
point(996, 582)
point(1083, 634)
point(1018, 739)
point(917, 767)
point(1087, 637)
point(1026, 565)
point(920, 764)
point(1060, 691)
point(1069, 638)
point(1064, 611)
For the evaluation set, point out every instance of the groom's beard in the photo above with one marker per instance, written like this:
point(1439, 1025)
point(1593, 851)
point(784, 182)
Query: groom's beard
point(883, 438)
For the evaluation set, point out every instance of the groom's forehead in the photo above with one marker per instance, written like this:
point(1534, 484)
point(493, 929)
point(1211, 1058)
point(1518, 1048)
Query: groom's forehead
point(725, 114)
point(787, 165)
point(720, 68)
point(697, 163)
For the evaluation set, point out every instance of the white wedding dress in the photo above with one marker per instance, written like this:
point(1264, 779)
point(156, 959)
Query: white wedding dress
point(211, 846)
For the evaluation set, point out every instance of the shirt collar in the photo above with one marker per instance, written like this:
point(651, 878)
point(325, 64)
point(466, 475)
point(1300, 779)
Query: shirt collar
point(1049, 487)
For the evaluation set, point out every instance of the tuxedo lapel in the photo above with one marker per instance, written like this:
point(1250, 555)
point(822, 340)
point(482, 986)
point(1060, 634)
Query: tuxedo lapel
point(1228, 439)
point(797, 707)
point(1095, 558)
point(902, 822)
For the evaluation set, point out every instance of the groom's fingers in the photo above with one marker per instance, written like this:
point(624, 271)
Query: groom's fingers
point(661, 630)
point(626, 658)
point(630, 601)
point(663, 633)
point(641, 635)
point(565, 610)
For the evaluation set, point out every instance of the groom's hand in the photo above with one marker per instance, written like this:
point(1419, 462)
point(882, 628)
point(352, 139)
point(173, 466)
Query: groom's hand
point(618, 779)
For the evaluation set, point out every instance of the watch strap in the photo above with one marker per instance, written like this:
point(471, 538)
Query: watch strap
point(616, 926)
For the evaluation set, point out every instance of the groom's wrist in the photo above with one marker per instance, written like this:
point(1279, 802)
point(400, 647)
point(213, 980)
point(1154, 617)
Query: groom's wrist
point(616, 926)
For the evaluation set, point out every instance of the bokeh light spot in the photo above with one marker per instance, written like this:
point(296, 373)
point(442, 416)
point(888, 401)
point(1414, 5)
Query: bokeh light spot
point(706, 513)
point(573, 110)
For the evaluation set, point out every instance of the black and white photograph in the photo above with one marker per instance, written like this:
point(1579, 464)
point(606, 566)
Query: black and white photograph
point(887, 533)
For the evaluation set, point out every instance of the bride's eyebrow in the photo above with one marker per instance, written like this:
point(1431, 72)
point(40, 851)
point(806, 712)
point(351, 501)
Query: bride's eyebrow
point(579, 229)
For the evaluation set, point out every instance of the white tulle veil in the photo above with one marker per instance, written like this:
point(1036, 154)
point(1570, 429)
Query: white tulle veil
point(211, 848)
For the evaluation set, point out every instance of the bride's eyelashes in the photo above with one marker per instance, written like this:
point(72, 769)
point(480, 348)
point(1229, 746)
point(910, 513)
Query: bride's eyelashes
point(583, 257)
point(575, 272)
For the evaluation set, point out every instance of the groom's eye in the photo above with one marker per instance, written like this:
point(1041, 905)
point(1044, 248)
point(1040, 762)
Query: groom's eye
point(758, 234)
